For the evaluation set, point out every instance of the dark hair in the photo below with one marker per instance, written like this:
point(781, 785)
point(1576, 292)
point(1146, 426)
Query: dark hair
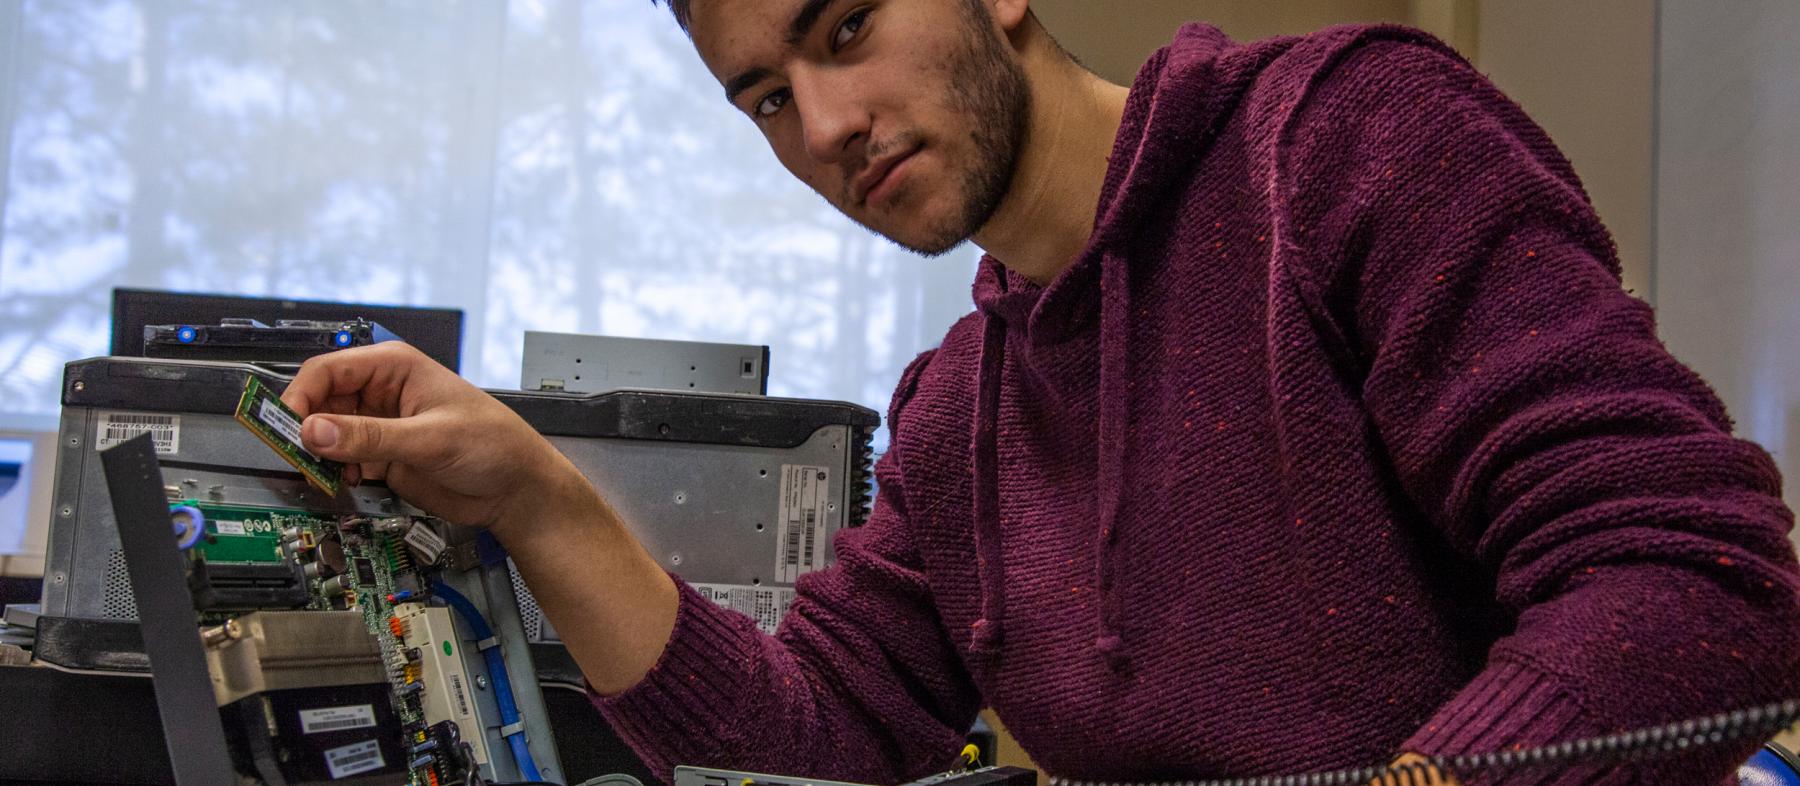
point(677, 7)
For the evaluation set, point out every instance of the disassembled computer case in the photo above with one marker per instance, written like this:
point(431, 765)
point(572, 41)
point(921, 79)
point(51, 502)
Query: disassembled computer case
point(737, 494)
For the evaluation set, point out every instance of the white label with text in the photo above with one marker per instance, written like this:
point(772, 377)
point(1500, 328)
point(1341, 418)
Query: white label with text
point(355, 716)
point(353, 759)
point(800, 519)
point(116, 427)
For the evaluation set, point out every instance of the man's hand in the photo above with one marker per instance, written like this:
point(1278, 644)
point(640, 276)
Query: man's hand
point(1422, 774)
point(389, 412)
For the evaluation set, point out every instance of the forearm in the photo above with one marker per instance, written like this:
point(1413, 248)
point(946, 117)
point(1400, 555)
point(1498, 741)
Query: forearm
point(611, 603)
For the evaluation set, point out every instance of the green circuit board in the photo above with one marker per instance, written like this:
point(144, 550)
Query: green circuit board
point(278, 426)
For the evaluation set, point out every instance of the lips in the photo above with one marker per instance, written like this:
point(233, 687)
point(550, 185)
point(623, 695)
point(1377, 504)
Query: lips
point(875, 174)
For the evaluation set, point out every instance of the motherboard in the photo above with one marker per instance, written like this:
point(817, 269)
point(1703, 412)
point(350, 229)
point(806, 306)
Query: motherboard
point(391, 695)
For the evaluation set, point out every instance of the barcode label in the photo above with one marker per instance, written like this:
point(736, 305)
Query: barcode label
point(116, 427)
point(352, 759)
point(429, 543)
point(766, 605)
point(229, 527)
point(278, 419)
point(800, 515)
point(354, 716)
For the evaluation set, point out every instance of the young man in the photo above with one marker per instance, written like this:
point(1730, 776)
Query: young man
point(1302, 423)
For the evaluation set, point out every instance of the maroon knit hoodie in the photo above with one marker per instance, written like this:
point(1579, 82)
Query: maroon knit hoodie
point(1339, 439)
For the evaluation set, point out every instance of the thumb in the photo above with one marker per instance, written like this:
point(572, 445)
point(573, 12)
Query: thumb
point(356, 439)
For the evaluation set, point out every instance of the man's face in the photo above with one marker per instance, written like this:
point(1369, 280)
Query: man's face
point(905, 114)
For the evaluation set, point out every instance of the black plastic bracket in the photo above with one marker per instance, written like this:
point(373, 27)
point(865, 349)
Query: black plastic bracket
point(192, 729)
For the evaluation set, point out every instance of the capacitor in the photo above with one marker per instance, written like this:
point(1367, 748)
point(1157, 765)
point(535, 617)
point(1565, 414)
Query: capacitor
point(330, 558)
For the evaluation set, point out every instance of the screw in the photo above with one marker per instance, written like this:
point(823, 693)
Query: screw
point(675, 559)
point(230, 631)
point(80, 385)
point(481, 682)
point(67, 511)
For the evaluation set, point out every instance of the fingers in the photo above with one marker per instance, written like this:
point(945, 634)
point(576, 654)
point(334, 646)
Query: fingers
point(333, 380)
point(374, 470)
point(359, 439)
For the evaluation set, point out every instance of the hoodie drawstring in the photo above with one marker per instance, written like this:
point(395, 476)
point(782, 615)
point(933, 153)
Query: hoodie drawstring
point(987, 630)
point(1115, 302)
point(1137, 176)
point(1115, 383)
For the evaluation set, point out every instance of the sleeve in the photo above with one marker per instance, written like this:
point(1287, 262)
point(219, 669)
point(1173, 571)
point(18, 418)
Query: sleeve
point(860, 682)
point(1531, 413)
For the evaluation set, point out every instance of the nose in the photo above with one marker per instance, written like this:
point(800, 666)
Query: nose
point(833, 122)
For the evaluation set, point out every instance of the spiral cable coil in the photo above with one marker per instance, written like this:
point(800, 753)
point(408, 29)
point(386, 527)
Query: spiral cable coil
point(1668, 739)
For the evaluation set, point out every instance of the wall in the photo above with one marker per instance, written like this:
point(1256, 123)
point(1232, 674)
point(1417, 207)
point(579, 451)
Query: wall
point(1728, 210)
point(1586, 72)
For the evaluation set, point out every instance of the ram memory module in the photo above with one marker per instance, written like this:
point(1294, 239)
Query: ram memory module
point(261, 411)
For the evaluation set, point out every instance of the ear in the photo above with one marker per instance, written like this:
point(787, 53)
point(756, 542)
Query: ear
point(1009, 13)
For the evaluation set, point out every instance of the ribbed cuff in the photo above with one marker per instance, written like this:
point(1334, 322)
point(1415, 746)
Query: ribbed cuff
point(682, 711)
point(1512, 705)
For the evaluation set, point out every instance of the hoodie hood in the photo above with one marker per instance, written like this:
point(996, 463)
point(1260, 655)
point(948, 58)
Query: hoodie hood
point(1169, 118)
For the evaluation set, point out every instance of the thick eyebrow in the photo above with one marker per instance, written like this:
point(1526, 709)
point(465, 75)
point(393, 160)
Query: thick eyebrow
point(798, 29)
point(746, 80)
point(804, 19)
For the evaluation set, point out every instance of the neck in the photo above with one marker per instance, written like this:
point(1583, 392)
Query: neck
point(1048, 212)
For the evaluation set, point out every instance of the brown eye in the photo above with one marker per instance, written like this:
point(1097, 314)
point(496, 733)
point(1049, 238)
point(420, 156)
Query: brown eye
point(847, 30)
point(772, 103)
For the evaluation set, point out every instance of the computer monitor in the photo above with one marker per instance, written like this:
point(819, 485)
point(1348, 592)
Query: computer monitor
point(435, 331)
point(15, 491)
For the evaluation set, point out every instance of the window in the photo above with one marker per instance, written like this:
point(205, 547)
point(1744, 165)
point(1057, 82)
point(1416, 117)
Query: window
point(541, 164)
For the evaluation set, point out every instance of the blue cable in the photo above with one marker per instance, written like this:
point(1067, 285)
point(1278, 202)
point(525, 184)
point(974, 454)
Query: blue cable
point(496, 667)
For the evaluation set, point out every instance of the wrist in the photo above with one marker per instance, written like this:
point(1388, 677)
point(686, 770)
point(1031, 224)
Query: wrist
point(557, 496)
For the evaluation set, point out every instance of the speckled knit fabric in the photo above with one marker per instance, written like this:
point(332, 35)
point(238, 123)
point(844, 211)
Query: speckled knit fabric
point(1339, 439)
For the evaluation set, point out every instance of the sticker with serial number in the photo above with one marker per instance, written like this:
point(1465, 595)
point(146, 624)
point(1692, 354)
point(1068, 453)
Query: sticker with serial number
point(280, 420)
point(800, 519)
point(116, 427)
point(427, 540)
point(353, 759)
point(766, 605)
point(354, 716)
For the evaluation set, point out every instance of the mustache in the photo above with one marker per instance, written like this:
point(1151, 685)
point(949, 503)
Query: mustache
point(874, 152)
